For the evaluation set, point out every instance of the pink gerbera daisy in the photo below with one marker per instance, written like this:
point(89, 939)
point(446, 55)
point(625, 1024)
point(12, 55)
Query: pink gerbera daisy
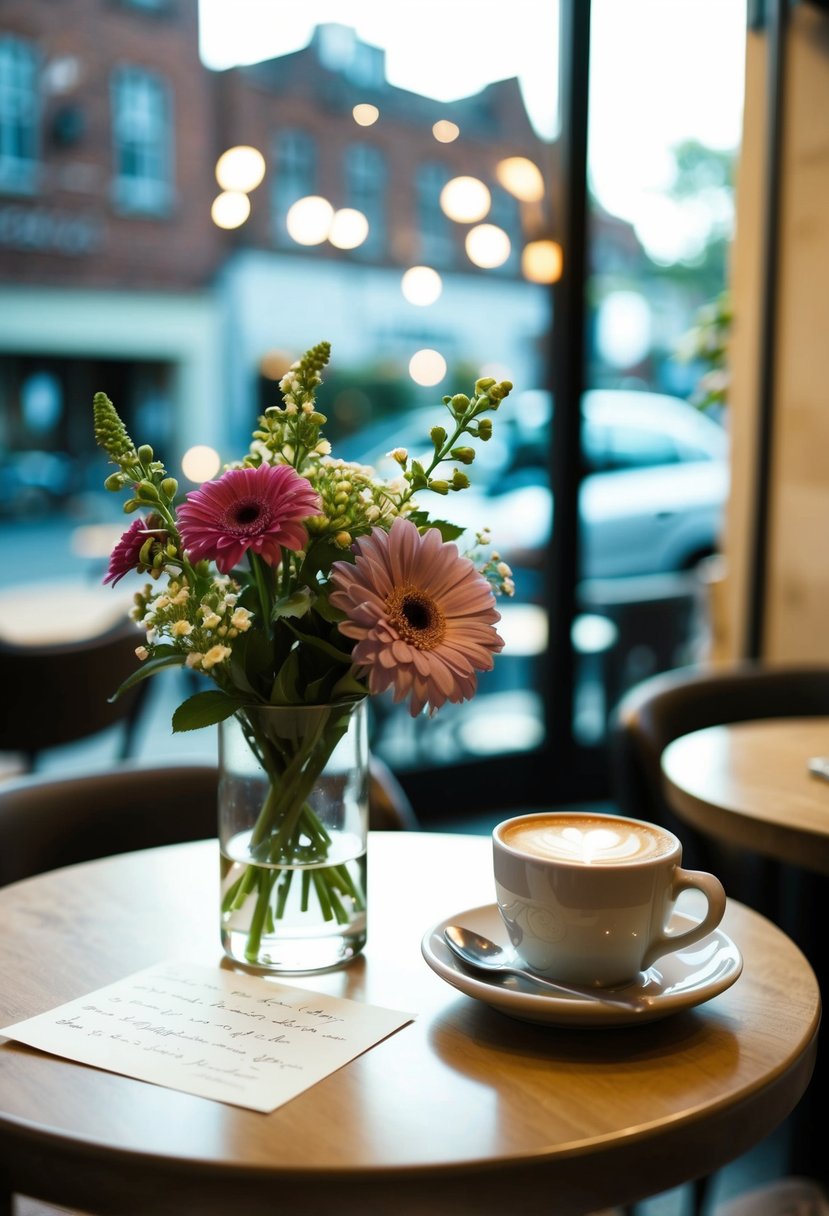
point(422, 615)
point(125, 555)
point(247, 509)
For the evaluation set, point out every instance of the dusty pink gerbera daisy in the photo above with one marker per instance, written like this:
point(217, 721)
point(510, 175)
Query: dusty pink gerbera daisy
point(422, 615)
point(247, 509)
point(125, 555)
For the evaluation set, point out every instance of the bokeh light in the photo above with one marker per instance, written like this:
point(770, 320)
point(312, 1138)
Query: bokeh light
point(500, 371)
point(624, 328)
point(309, 220)
point(230, 209)
point(427, 367)
point(542, 261)
point(349, 228)
point(421, 285)
point(200, 463)
point(274, 364)
point(522, 177)
point(465, 200)
point(487, 246)
point(241, 168)
point(365, 115)
point(445, 132)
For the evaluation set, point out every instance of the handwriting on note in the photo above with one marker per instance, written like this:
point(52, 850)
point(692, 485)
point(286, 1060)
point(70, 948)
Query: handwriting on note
point(218, 1034)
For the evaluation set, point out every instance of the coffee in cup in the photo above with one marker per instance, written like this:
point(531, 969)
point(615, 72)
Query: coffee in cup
point(588, 898)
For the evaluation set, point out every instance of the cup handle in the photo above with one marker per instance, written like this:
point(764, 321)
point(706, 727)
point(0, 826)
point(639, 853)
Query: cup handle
point(714, 892)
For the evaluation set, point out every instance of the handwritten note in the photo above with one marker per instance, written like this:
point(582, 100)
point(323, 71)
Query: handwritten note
point(218, 1034)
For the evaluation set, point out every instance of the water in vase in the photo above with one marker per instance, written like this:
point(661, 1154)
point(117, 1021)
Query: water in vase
point(294, 918)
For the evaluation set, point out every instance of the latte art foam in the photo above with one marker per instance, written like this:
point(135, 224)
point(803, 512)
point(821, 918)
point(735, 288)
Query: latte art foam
point(587, 841)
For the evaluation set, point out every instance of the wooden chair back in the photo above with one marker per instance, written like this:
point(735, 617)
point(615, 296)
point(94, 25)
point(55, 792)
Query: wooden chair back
point(47, 821)
point(59, 693)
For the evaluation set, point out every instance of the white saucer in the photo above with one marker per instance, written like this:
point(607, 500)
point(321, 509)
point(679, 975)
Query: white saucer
point(677, 981)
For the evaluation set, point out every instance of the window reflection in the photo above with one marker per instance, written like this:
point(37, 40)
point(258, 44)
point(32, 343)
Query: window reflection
point(189, 328)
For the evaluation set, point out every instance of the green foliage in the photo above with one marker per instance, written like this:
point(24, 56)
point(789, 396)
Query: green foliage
point(205, 709)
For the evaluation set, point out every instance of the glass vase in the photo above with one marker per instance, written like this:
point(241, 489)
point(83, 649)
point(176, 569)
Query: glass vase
point(293, 824)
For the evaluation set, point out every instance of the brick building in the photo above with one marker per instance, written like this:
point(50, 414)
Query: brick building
point(109, 150)
point(299, 109)
point(107, 252)
point(112, 274)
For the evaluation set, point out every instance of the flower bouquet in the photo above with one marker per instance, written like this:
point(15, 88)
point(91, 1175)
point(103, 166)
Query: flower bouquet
point(299, 585)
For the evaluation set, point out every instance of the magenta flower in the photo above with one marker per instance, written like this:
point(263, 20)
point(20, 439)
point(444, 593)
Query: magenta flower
point(422, 616)
point(125, 555)
point(247, 509)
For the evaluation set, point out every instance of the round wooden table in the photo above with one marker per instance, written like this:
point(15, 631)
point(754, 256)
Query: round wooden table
point(748, 784)
point(465, 1111)
point(55, 612)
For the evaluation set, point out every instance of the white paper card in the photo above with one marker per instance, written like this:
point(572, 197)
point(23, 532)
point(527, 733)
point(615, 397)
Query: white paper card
point(218, 1034)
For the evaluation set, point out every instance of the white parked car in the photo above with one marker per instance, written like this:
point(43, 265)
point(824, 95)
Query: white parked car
point(652, 500)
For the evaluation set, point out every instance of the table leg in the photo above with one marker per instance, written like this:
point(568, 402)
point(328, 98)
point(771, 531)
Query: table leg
point(801, 896)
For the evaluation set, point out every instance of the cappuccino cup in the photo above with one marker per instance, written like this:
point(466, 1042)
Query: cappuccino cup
point(588, 899)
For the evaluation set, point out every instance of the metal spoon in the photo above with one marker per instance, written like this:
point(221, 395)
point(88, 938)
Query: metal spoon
point(482, 954)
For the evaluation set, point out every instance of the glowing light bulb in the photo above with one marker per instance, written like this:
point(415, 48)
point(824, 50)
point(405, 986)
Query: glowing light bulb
point(421, 285)
point(541, 261)
point(465, 200)
point(522, 177)
point(487, 246)
point(240, 168)
point(365, 115)
point(274, 364)
point(445, 132)
point(349, 228)
point(200, 463)
point(230, 209)
point(427, 367)
point(309, 220)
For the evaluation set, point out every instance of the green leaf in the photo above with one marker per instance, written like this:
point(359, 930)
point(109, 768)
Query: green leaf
point(205, 709)
point(150, 668)
point(249, 599)
point(417, 476)
point(284, 690)
point(326, 611)
point(319, 559)
point(295, 605)
point(448, 531)
point(251, 659)
point(320, 644)
point(314, 693)
point(348, 686)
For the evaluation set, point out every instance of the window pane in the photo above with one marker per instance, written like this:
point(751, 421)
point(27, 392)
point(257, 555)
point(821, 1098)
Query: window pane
point(365, 191)
point(294, 176)
point(371, 111)
point(143, 135)
point(661, 157)
point(19, 115)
